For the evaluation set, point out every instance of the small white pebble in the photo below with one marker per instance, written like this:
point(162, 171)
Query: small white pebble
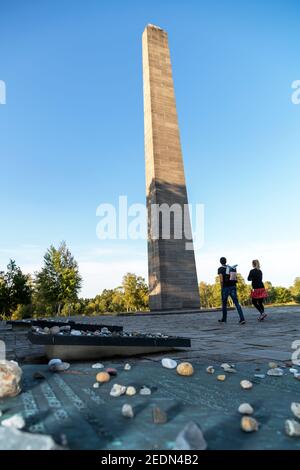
point(127, 411)
point(145, 391)
point(98, 365)
point(246, 384)
point(15, 421)
point(245, 409)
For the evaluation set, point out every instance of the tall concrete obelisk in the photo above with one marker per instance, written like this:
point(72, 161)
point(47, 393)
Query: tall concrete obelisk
point(172, 271)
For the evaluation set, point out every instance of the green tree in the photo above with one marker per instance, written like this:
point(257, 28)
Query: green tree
point(4, 297)
point(216, 293)
point(271, 293)
point(23, 311)
point(295, 290)
point(243, 291)
point(102, 303)
point(206, 295)
point(135, 292)
point(59, 281)
point(282, 295)
point(15, 289)
point(105, 301)
point(18, 286)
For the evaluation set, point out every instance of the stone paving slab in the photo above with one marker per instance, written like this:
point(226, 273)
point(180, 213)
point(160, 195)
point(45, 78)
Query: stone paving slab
point(66, 403)
point(256, 341)
point(272, 338)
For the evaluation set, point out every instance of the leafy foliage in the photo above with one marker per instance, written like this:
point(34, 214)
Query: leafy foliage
point(210, 294)
point(15, 289)
point(131, 296)
point(58, 283)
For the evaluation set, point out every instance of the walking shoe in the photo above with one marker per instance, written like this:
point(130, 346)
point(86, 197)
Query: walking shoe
point(242, 322)
point(222, 321)
point(262, 316)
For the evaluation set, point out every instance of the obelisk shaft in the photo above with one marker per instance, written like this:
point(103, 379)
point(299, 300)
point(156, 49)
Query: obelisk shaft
point(172, 271)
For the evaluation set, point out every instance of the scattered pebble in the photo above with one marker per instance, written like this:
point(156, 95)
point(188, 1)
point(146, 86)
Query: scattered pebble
point(231, 370)
point(249, 424)
point(275, 372)
point(246, 384)
point(98, 365)
point(245, 409)
point(127, 411)
point(57, 365)
point(295, 408)
point(260, 376)
point(292, 428)
point(293, 370)
point(127, 367)
point(111, 371)
point(228, 368)
point(38, 375)
point(53, 362)
point(273, 365)
point(103, 377)
point(185, 368)
point(297, 376)
point(61, 367)
point(54, 330)
point(15, 421)
point(14, 439)
point(168, 363)
point(75, 333)
point(117, 390)
point(96, 385)
point(10, 378)
point(159, 416)
point(210, 370)
point(65, 328)
point(190, 438)
point(145, 391)
point(221, 377)
point(130, 391)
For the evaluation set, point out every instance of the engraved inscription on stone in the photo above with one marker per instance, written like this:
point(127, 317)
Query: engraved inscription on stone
point(59, 412)
point(31, 411)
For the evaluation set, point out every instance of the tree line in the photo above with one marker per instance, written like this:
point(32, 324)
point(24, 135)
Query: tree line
point(210, 294)
point(54, 290)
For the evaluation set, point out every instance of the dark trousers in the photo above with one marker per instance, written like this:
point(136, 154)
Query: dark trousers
point(259, 305)
point(231, 292)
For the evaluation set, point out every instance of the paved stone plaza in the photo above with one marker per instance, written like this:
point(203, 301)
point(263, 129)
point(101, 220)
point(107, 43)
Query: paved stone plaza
point(67, 406)
point(211, 341)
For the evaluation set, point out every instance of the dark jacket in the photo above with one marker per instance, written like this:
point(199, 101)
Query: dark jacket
point(255, 276)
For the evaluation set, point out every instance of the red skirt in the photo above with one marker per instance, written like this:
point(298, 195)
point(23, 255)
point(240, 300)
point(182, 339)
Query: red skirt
point(259, 293)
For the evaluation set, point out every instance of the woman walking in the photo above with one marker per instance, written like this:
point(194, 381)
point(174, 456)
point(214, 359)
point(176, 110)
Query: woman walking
point(259, 292)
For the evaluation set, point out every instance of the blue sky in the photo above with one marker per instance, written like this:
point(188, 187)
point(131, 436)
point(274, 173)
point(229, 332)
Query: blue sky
point(71, 132)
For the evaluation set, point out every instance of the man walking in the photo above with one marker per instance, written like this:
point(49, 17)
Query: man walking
point(228, 282)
